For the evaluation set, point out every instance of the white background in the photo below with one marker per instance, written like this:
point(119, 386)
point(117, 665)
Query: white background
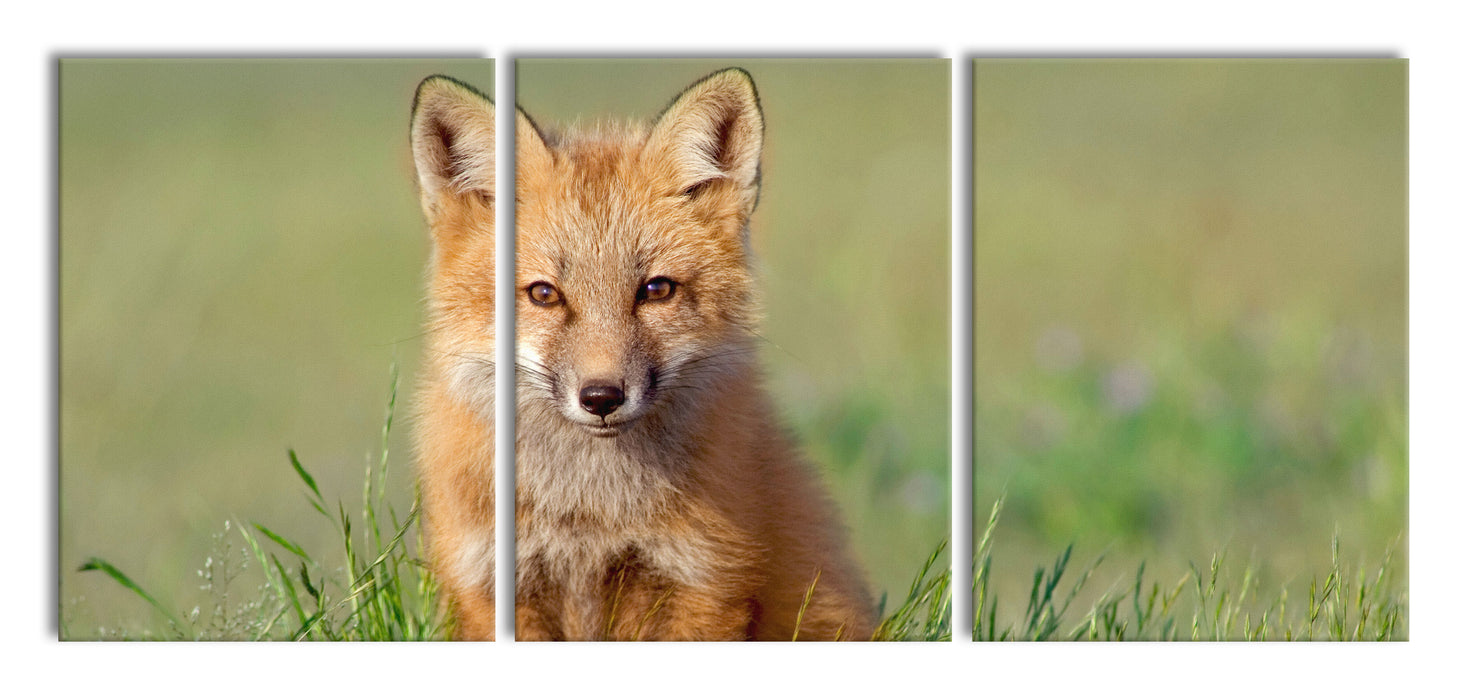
point(34, 37)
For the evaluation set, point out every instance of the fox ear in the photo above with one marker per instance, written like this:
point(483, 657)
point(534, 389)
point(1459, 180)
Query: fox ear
point(453, 142)
point(712, 133)
point(532, 156)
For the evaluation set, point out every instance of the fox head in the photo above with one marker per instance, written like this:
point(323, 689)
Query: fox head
point(632, 264)
point(634, 293)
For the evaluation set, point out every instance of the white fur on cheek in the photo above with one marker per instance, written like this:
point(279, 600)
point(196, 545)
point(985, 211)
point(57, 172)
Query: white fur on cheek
point(473, 382)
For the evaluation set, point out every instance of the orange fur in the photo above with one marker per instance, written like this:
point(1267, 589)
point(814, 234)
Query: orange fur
point(656, 495)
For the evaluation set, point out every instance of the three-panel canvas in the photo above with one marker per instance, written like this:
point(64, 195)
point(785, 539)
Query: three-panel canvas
point(733, 349)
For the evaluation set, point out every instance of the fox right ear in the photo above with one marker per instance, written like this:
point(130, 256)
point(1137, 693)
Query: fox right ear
point(712, 132)
point(453, 142)
point(533, 157)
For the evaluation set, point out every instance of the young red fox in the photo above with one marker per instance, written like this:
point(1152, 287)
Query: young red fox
point(656, 496)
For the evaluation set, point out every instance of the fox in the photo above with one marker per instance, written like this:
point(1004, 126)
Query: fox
point(657, 496)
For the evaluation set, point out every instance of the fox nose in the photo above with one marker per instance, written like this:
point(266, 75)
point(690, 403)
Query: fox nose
point(601, 399)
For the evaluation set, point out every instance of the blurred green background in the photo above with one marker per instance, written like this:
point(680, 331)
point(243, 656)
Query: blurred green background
point(852, 235)
point(1190, 304)
point(241, 260)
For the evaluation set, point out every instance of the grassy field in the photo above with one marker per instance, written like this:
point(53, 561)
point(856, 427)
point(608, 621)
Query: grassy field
point(1191, 319)
point(373, 587)
point(241, 261)
point(370, 583)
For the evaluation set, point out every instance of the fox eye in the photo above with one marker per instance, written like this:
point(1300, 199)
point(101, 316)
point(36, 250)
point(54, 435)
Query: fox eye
point(656, 289)
point(543, 294)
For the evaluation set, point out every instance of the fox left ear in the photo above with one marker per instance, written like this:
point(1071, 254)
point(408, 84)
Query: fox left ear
point(712, 133)
point(452, 137)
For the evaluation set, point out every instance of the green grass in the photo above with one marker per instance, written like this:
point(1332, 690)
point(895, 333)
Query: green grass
point(926, 614)
point(377, 589)
point(391, 599)
point(1208, 603)
point(380, 592)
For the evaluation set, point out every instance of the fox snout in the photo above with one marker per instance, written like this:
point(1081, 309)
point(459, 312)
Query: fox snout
point(604, 376)
point(604, 406)
point(605, 392)
point(601, 399)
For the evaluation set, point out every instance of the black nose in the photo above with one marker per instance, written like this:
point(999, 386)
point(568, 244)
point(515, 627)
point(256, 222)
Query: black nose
point(601, 399)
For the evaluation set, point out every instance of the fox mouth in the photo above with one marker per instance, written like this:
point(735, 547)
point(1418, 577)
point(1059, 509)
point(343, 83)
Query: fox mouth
point(606, 431)
point(612, 425)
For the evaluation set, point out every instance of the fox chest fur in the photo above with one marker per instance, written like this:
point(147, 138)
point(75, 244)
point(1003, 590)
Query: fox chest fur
point(656, 497)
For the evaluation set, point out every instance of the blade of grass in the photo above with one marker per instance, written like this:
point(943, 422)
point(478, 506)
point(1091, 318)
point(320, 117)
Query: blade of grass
point(98, 564)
